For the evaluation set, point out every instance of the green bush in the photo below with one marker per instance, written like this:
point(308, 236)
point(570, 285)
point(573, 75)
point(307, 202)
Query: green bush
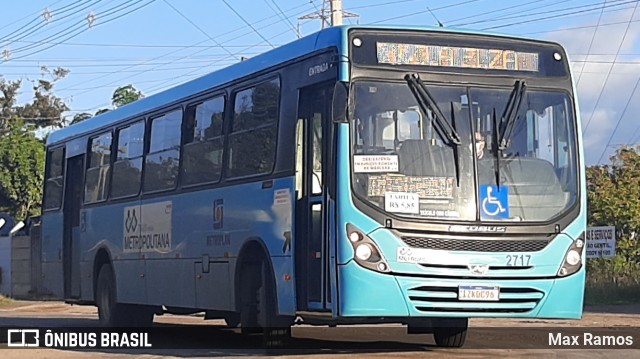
point(614, 200)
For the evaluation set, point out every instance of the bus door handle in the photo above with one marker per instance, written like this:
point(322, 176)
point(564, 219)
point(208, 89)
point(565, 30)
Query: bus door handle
point(267, 184)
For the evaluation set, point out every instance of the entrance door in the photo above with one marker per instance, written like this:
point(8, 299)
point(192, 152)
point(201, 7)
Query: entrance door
point(71, 211)
point(312, 170)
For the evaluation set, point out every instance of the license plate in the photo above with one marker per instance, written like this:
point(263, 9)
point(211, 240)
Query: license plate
point(478, 293)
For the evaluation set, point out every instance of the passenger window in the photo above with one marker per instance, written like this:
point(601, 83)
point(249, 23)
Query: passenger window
point(98, 168)
point(127, 170)
point(54, 179)
point(202, 162)
point(162, 161)
point(252, 142)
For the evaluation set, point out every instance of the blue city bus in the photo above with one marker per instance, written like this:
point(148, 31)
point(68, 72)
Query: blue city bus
point(358, 175)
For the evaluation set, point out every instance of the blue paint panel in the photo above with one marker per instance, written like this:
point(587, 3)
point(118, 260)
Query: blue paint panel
point(142, 277)
point(390, 296)
point(366, 293)
point(52, 254)
point(549, 298)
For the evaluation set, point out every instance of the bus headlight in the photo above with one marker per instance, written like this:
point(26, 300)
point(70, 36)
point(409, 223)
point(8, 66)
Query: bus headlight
point(363, 252)
point(366, 252)
point(573, 258)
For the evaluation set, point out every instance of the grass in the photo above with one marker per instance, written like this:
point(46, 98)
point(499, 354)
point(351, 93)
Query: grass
point(608, 288)
point(5, 301)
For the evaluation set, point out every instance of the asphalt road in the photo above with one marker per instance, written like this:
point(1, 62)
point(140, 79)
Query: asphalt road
point(487, 338)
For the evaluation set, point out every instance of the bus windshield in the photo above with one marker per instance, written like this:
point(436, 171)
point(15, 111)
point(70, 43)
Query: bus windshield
point(403, 163)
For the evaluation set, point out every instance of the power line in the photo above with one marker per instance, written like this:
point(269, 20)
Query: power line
point(26, 32)
point(175, 51)
point(97, 63)
point(493, 12)
point(198, 27)
point(246, 22)
point(520, 15)
point(159, 87)
point(554, 16)
point(609, 72)
point(626, 106)
point(27, 16)
point(68, 30)
point(127, 45)
point(386, 3)
point(579, 27)
point(425, 11)
point(78, 25)
point(278, 11)
point(591, 42)
point(633, 139)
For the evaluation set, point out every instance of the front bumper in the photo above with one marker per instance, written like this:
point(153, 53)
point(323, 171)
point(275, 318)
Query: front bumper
point(365, 293)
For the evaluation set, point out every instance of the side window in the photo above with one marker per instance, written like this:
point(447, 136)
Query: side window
point(202, 161)
point(161, 163)
point(127, 170)
point(252, 141)
point(97, 177)
point(54, 179)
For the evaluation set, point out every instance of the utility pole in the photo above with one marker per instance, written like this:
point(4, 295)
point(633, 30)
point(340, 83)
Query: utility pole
point(336, 12)
point(331, 14)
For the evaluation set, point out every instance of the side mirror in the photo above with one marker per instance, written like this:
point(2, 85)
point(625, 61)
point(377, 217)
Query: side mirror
point(340, 102)
point(16, 228)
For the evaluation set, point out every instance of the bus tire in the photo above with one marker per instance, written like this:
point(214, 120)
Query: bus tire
point(249, 298)
point(232, 320)
point(110, 312)
point(259, 314)
point(450, 332)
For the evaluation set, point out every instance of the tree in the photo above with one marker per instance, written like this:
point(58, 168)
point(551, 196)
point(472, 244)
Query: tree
point(8, 98)
point(45, 110)
point(21, 170)
point(21, 153)
point(79, 117)
point(124, 95)
point(614, 199)
point(613, 194)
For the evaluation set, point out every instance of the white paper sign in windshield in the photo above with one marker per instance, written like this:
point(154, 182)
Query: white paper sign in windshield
point(402, 202)
point(375, 163)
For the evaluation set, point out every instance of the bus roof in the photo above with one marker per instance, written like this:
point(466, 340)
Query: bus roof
point(332, 36)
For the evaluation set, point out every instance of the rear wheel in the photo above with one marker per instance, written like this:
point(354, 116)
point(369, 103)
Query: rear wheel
point(114, 314)
point(450, 332)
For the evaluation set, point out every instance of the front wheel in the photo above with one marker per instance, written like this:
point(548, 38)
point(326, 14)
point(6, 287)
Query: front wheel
point(450, 332)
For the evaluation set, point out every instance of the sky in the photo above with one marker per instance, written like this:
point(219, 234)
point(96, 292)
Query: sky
point(157, 44)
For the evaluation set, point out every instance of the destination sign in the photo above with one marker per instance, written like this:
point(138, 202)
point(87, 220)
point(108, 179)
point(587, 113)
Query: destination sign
point(451, 56)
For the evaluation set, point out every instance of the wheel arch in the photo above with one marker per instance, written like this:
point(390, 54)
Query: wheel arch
point(102, 257)
point(252, 250)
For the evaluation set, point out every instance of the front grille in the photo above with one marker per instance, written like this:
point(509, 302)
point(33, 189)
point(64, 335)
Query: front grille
point(445, 299)
point(477, 245)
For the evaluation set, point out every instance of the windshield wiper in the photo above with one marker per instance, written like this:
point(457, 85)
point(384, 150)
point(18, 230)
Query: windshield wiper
point(510, 115)
point(446, 130)
point(427, 102)
point(497, 152)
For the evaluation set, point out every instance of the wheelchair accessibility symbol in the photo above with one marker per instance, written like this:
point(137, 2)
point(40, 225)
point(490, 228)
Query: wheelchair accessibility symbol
point(494, 202)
